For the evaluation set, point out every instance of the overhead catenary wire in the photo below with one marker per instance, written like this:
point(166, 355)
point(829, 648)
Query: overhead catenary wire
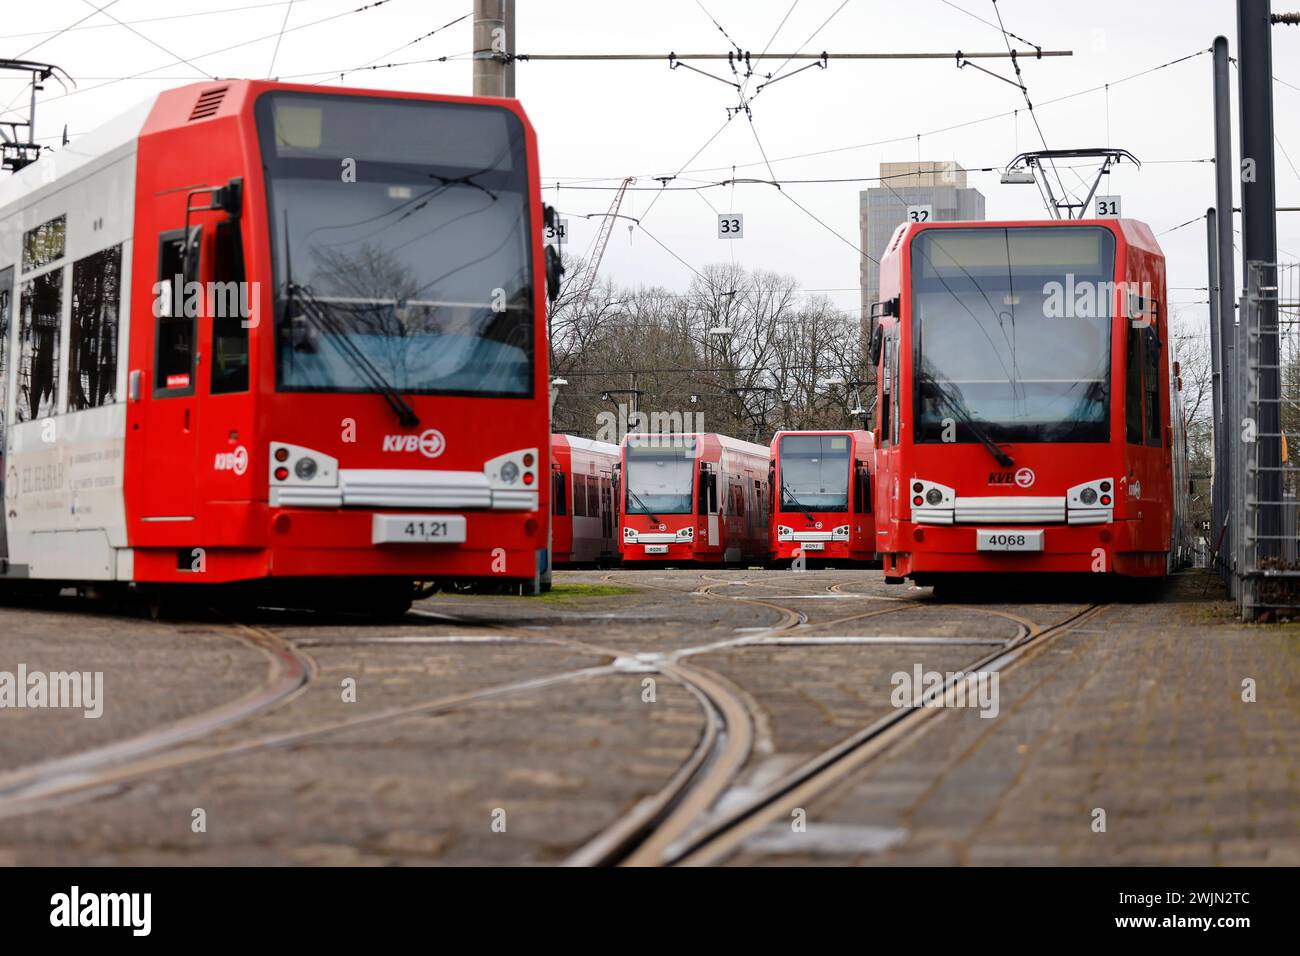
point(937, 131)
point(1020, 81)
point(424, 36)
point(374, 4)
point(81, 25)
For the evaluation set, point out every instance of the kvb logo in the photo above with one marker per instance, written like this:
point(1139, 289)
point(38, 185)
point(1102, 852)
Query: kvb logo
point(236, 461)
point(1022, 478)
point(430, 443)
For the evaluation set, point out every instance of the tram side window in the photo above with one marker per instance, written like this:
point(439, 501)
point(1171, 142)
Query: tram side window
point(559, 504)
point(1151, 384)
point(893, 374)
point(6, 307)
point(593, 496)
point(174, 374)
point(232, 318)
point(579, 497)
point(708, 495)
point(92, 346)
point(886, 397)
point(1133, 387)
point(40, 317)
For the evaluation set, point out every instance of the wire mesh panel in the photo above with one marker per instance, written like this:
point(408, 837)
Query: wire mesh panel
point(1266, 480)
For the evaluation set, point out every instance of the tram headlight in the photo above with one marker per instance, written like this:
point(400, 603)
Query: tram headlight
point(305, 469)
point(934, 496)
point(510, 473)
point(1088, 496)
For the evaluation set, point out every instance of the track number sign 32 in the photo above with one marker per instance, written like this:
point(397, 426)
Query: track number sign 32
point(731, 225)
point(921, 213)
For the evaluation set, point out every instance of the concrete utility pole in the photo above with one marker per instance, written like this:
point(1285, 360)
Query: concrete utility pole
point(494, 48)
point(1226, 284)
point(1259, 244)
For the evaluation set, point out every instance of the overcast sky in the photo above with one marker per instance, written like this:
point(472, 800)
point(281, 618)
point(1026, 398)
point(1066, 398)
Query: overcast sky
point(609, 120)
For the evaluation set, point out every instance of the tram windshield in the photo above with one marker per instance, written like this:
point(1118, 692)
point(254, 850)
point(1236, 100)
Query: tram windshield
point(815, 472)
point(1011, 333)
point(660, 478)
point(401, 244)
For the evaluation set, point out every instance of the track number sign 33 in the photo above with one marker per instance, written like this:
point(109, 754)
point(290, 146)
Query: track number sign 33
point(731, 225)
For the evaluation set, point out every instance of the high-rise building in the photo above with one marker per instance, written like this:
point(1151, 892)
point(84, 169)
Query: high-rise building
point(881, 209)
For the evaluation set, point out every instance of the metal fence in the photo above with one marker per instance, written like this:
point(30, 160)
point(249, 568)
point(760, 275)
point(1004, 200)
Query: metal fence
point(1262, 369)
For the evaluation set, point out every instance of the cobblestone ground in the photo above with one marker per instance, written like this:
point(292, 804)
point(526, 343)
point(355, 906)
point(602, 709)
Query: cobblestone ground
point(1137, 713)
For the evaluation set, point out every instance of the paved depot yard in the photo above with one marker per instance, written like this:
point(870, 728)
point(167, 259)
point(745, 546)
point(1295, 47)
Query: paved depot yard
point(1138, 713)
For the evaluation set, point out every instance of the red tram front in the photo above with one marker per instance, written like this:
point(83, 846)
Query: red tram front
point(1027, 412)
point(306, 330)
point(821, 492)
point(693, 498)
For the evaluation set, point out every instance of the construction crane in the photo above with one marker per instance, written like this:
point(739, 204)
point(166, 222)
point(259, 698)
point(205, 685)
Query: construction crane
point(588, 278)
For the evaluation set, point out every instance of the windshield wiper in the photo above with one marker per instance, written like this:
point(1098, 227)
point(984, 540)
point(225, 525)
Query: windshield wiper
point(960, 410)
point(785, 490)
point(312, 309)
point(339, 337)
point(644, 508)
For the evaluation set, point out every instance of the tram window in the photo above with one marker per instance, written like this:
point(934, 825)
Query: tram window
point(92, 346)
point(1151, 385)
point(45, 243)
point(708, 496)
point(861, 490)
point(174, 372)
point(40, 316)
point(886, 398)
point(593, 496)
point(559, 504)
point(1133, 388)
point(6, 308)
point(579, 497)
point(230, 322)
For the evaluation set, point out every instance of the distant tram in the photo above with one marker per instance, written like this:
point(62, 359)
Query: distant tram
point(821, 492)
point(693, 499)
point(1029, 419)
point(280, 335)
point(583, 512)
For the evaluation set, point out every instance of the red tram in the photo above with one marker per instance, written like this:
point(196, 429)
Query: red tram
point(821, 494)
point(1028, 414)
point(260, 332)
point(583, 515)
point(693, 498)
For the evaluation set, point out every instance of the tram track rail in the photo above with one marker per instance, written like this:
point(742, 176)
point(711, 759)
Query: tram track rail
point(675, 827)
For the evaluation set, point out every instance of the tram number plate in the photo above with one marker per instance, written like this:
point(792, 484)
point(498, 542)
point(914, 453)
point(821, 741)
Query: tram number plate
point(1008, 540)
point(813, 546)
point(656, 549)
point(418, 529)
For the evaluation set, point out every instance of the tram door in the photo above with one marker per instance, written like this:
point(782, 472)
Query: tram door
point(8, 482)
point(606, 514)
point(170, 409)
